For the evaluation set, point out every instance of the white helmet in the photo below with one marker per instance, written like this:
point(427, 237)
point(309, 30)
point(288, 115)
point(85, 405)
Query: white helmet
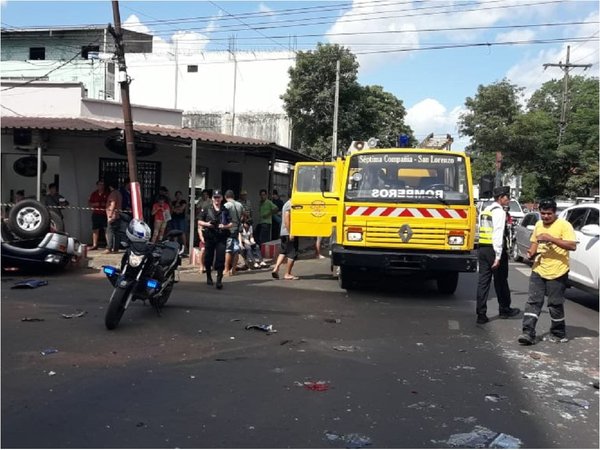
point(138, 231)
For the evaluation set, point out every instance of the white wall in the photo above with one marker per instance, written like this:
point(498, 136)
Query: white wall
point(42, 99)
point(259, 84)
point(101, 109)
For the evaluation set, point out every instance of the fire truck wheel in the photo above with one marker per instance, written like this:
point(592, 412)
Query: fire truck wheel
point(346, 277)
point(447, 283)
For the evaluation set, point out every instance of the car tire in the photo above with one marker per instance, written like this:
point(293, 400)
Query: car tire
point(57, 224)
point(29, 219)
point(514, 252)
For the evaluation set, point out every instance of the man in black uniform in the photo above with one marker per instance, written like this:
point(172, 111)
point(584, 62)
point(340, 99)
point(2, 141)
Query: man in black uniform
point(493, 257)
point(216, 223)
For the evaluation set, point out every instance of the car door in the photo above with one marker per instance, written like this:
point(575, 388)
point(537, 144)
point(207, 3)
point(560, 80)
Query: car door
point(583, 262)
point(313, 208)
point(523, 233)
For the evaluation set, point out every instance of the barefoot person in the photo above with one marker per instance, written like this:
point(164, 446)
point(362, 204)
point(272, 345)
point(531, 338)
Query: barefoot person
point(289, 246)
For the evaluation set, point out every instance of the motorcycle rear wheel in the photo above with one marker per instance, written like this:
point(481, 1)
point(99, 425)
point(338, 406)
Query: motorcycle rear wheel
point(116, 307)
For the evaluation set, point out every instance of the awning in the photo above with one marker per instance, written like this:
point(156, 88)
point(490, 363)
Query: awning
point(206, 139)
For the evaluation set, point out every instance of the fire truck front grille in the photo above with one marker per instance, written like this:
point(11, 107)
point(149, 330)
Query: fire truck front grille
point(422, 236)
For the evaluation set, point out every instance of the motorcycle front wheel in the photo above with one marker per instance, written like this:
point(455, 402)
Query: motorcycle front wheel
point(116, 306)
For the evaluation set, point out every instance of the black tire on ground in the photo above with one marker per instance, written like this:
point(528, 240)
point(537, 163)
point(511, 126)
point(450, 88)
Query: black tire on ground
point(165, 295)
point(514, 253)
point(56, 222)
point(116, 307)
point(29, 219)
point(447, 283)
point(347, 278)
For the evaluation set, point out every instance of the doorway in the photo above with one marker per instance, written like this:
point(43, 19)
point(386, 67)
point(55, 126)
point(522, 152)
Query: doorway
point(233, 181)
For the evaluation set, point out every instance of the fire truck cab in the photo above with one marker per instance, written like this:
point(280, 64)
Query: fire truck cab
point(398, 211)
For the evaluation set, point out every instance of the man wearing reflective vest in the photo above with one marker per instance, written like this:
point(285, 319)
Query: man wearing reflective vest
point(493, 257)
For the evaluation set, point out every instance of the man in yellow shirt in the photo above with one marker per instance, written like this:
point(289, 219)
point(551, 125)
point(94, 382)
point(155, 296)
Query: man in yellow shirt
point(551, 241)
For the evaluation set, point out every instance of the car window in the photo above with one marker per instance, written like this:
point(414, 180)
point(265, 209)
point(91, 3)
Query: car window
point(592, 218)
point(529, 219)
point(514, 207)
point(577, 217)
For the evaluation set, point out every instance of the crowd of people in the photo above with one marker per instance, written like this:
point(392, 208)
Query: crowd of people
point(229, 231)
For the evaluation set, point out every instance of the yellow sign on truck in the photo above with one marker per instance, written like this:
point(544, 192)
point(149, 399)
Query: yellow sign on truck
point(394, 211)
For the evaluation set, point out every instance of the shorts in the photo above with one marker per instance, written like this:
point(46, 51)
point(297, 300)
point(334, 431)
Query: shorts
point(289, 248)
point(98, 221)
point(178, 223)
point(233, 245)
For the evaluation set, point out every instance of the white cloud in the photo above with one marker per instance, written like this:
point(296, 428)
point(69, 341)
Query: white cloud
point(430, 116)
point(265, 9)
point(516, 35)
point(529, 72)
point(418, 16)
point(133, 23)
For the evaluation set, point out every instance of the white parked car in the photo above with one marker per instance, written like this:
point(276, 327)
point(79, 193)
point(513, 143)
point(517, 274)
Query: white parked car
point(584, 262)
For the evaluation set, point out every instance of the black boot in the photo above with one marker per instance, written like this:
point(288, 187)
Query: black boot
point(209, 279)
point(220, 279)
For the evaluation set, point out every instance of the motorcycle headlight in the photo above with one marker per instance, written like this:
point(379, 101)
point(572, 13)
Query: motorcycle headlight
point(135, 260)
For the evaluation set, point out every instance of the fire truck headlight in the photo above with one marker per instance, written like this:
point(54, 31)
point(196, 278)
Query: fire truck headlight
point(456, 240)
point(355, 235)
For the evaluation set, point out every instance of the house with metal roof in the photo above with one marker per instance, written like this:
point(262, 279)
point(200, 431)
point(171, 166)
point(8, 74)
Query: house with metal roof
point(53, 133)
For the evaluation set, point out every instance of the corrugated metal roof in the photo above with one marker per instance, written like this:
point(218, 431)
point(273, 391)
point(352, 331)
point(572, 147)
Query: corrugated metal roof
point(88, 124)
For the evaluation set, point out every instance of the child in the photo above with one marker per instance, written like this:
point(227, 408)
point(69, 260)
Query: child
point(250, 250)
point(161, 212)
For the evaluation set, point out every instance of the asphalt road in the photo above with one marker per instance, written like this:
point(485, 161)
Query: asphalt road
point(401, 366)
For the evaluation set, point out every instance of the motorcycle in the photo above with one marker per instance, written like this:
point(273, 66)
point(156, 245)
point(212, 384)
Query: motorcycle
point(148, 271)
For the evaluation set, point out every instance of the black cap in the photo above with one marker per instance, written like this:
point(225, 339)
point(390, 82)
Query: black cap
point(217, 193)
point(500, 191)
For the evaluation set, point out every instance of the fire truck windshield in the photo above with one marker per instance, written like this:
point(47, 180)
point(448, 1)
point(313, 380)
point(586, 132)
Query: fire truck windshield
point(418, 177)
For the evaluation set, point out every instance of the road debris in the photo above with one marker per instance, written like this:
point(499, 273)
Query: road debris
point(29, 284)
point(31, 319)
point(352, 440)
point(329, 320)
point(266, 328)
point(51, 373)
point(48, 351)
point(482, 437)
point(314, 385)
point(494, 398)
point(77, 314)
point(346, 348)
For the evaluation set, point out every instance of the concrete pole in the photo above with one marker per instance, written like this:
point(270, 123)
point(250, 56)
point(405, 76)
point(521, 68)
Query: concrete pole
point(193, 225)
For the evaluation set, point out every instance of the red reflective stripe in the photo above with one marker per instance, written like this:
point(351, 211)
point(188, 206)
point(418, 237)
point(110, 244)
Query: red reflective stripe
point(369, 210)
point(445, 214)
point(350, 210)
point(425, 212)
point(462, 213)
point(405, 213)
point(388, 211)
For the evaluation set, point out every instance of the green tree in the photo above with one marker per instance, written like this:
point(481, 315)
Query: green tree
point(576, 159)
point(363, 112)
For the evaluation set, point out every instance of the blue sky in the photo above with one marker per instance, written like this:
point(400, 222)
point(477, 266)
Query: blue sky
point(485, 41)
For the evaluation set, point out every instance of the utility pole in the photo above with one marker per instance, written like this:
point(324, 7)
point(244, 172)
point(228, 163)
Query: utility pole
point(335, 111)
point(176, 70)
point(124, 81)
point(565, 95)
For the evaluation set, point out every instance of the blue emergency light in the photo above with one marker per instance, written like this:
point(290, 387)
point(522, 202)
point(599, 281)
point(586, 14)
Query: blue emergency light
point(109, 270)
point(152, 284)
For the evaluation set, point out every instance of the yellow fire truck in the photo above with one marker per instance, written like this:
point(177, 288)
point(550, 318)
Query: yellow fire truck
point(404, 211)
